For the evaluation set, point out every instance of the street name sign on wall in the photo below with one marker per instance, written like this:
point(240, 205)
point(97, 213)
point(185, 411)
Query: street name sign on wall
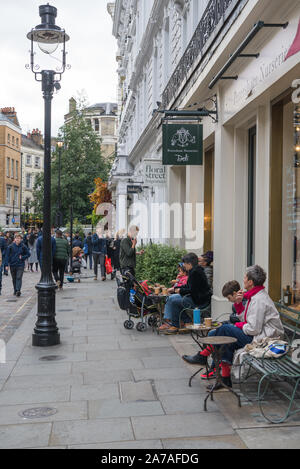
point(182, 144)
point(154, 173)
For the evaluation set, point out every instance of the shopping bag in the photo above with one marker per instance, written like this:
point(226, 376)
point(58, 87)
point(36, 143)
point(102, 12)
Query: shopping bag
point(108, 266)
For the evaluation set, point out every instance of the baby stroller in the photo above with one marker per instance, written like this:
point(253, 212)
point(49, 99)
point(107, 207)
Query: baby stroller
point(138, 304)
point(77, 264)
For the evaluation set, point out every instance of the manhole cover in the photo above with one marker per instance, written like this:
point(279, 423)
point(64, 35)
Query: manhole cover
point(52, 358)
point(11, 301)
point(38, 412)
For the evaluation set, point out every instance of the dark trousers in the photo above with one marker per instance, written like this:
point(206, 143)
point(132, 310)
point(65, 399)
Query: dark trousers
point(17, 275)
point(1, 268)
point(59, 266)
point(99, 258)
point(90, 257)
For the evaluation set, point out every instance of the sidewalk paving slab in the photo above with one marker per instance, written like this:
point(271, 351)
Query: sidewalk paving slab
point(116, 388)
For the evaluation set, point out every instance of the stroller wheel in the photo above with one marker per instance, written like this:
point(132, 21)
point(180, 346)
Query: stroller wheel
point(129, 324)
point(141, 326)
point(152, 321)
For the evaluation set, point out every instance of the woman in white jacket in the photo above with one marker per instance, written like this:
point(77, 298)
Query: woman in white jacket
point(259, 319)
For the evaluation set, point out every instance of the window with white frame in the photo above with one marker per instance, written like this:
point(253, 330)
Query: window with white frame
point(16, 197)
point(8, 195)
point(28, 160)
point(8, 167)
point(28, 181)
point(37, 162)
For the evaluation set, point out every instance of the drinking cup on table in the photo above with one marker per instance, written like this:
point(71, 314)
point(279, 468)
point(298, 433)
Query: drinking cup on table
point(208, 322)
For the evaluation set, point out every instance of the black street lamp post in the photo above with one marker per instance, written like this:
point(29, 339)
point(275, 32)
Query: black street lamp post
point(48, 36)
point(59, 215)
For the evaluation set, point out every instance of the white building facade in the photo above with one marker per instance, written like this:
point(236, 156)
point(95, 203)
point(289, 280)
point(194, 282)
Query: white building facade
point(230, 56)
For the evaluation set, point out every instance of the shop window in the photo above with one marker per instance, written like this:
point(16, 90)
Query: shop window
point(290, 275)
point(251, 196)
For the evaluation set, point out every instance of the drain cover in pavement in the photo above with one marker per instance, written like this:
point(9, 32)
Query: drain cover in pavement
point(38, 412)
point(52, 358)
point(11, 301)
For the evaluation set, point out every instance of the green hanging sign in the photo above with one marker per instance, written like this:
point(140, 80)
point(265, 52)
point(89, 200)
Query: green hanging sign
point(182, 144)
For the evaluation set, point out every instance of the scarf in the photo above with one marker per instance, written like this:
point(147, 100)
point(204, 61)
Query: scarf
point(248, 295)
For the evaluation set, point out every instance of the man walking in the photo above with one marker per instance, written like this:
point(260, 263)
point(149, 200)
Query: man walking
point(2, 257)
point(16, 254)
point(60, 258)
point(99, 253)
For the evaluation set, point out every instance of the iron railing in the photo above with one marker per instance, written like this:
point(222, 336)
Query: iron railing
point(217, 12)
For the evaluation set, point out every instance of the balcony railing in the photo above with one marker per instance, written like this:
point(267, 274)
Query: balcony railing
point(214, 17)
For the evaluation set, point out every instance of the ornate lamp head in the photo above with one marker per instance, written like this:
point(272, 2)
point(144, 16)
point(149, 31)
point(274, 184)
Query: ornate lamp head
point(48, 37)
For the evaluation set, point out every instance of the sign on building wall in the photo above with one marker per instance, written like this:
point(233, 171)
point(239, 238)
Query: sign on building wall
point(182, 144)
point(154, 173)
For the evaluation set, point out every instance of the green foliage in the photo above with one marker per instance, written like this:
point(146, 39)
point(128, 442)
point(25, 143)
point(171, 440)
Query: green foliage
point(77, 228)
point(81, 163)
point(159, 263)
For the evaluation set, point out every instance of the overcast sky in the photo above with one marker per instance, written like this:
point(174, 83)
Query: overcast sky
point(91, 54)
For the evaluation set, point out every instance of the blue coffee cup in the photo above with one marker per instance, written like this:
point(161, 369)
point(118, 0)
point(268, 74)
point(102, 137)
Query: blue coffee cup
point(197, 316)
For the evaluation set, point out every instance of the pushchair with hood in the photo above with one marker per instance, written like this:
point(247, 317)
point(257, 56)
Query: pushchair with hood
point(138, 305)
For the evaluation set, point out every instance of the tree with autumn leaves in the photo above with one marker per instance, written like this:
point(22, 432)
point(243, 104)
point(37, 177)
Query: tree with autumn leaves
point(100, 196)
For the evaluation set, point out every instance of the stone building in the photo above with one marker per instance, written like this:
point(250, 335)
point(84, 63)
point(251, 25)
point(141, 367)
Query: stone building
point(230, 56)
point(103, 119)
point(10, 168)
point(32, 164)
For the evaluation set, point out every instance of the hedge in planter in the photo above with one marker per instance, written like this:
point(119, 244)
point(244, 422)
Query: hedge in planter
point(159, 263)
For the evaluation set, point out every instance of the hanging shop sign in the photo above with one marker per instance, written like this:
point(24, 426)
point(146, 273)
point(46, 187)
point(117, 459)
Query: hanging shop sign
point(182, 144)
point(154, 173)
point(134, 189)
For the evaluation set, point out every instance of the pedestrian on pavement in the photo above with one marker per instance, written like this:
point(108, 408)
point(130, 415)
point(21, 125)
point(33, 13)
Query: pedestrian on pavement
point(60, 258)
point(128, 251)
point(16, 254)
point(33, 259)
point(77, 241)
point(39, 248)
point(99, 253)
point(2, 255)
point(88, 249)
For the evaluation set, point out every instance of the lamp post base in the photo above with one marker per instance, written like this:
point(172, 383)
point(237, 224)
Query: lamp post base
point(46, 333)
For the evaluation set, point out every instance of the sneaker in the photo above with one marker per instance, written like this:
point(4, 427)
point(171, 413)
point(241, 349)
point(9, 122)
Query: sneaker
point(195, 359)
point(210, 375)
point(18, 293)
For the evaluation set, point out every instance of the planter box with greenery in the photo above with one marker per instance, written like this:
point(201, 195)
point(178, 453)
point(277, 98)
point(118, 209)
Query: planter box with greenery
point(159, 263)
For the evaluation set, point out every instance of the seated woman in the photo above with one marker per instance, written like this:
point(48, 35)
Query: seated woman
point(205, 261)
point(259, 319)
point(195, 293)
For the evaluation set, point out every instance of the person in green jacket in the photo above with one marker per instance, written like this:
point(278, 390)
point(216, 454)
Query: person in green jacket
point(128, 251)
point(60, 258)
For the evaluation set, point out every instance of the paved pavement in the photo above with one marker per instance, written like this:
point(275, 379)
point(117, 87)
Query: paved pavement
point(13, 310)
point(114, 388)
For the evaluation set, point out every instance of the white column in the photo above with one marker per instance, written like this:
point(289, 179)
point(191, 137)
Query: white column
point(262, 187)
point(194, 197)
point(121, 207)
point(223, 216)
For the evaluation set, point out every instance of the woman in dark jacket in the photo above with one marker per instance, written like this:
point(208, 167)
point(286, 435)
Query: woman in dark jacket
point(195, 293)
